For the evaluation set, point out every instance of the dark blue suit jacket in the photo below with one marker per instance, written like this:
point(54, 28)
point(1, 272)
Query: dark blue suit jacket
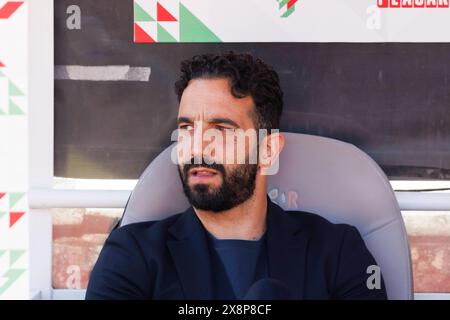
point(169, 259)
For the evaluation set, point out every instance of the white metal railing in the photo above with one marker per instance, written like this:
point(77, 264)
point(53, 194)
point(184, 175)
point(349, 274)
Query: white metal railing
point(55, 198)
point(423, 201)
point(42, 198)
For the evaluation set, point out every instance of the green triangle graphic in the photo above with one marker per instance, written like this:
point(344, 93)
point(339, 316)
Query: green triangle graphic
point(164, 35)
point(14, 255)
point(2, 252)
point(14, 90)
point(14, 197)
point(282, 3)
point(193, 30)
point(2, 213)
point(2, 113)
point(12, 275)
point(14, 109)
point(288, 12)
point(140, 14)
point(1, 74)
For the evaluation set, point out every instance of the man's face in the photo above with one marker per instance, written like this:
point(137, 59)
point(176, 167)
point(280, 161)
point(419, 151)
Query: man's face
point(208, 104)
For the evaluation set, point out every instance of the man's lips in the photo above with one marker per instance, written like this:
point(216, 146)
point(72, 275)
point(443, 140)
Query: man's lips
point(201, 175)
point(202, 172)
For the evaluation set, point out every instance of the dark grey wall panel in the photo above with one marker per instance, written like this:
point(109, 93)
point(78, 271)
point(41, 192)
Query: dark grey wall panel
point(390, 99)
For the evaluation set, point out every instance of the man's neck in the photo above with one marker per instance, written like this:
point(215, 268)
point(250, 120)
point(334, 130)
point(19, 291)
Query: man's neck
point(244, 222)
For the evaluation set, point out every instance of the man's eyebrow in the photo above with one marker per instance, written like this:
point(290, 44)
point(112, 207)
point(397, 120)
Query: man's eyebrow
point(212, 120)
point(184, 120)
point(224, 121)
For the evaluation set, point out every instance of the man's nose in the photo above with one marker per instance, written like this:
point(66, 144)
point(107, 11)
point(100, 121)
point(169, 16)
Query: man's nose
point(200, 141)
point(207, 144)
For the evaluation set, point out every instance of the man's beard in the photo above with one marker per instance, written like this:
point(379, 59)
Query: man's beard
point(237, 187)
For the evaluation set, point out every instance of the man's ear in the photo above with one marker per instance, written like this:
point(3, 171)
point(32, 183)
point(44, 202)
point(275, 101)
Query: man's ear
point(269, 152)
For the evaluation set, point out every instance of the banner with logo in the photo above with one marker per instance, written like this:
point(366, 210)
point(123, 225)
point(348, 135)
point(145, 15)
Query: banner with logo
point(290, 21)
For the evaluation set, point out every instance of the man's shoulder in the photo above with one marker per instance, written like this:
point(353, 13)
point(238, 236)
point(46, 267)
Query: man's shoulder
point(319, 226)
point(155, 226)
point(147, 231)
point(325, 238)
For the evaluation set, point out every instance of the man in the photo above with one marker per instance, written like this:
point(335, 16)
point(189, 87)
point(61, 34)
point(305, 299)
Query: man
point(233, 242)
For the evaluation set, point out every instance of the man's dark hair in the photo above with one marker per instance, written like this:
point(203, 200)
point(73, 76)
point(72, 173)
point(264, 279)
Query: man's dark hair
point(248, 76)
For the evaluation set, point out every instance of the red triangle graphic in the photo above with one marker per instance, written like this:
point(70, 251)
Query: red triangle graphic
point(14, 217)
point(140, 35)
point(2, 194)
point(163, 14)
point(1, 64)
point(9, 8)
point(291, 3)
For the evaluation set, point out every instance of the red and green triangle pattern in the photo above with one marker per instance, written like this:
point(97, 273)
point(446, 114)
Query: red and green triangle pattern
point(9, 89)
point(8, 200)
point(10, 274)
point(153, 22)
point(289, 7)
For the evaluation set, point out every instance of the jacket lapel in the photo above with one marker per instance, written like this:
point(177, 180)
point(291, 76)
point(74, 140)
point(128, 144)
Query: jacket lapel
point(190, 254)
point(286, 246)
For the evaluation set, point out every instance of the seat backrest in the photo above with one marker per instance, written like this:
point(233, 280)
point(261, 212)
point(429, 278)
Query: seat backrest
point(328, 177)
